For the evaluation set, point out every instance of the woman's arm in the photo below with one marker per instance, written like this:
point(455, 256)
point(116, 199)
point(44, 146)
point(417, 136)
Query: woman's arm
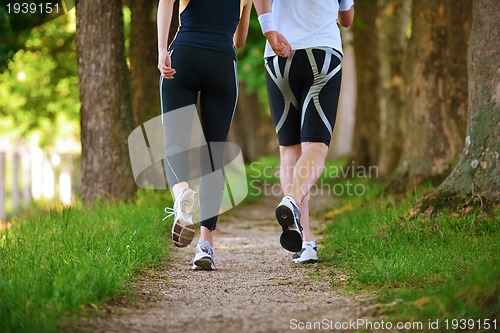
point(345, 17)
point(165, 10)
point(240, 36)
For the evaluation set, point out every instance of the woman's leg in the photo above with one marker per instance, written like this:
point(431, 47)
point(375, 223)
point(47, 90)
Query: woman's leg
point(218, 97)
point(178, 97)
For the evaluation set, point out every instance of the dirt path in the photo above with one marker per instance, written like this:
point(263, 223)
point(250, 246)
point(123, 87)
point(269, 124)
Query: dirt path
point(254, 289)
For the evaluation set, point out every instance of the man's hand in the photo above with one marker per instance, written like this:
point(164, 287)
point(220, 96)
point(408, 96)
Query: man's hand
point(165, 65)
point(278, 43)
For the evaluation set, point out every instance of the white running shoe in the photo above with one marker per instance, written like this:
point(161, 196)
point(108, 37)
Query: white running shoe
point(184, 207)
point(204, 256)
point(307, 255)
point(288, 216)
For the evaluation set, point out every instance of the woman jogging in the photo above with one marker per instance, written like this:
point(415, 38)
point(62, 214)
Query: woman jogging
point(303, 85)
point(201, 61)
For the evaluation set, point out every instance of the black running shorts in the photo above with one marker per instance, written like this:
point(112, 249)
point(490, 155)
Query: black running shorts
point(303, 92)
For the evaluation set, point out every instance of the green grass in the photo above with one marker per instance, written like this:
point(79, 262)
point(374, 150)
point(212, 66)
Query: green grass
point(56, 264)
point(337, 179)
point(262, 176)
point(445, 266)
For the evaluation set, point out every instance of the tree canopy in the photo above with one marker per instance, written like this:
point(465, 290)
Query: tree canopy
point(39, 81)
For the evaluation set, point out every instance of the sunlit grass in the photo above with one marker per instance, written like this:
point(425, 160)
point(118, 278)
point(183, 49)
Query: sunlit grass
point(54, 264)
point(450, 262)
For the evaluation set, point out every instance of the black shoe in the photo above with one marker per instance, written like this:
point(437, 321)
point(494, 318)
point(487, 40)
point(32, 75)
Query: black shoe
point(288, 216)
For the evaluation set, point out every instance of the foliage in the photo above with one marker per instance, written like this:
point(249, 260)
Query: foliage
point(251, 61)
point(39, 88)
point(10, 42)
point(261, 173)
point(60, 262)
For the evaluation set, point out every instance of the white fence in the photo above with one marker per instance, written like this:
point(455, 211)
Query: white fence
point(36, 175)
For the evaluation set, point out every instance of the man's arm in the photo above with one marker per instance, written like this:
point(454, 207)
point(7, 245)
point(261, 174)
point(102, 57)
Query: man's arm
point(278, 42)
point(262, 6)
point(346, 17)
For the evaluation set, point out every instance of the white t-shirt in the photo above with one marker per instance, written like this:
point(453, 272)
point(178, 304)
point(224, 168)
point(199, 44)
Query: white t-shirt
point(308, 23)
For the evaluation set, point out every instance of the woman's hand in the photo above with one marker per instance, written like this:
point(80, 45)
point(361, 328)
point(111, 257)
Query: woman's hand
point(165, 65)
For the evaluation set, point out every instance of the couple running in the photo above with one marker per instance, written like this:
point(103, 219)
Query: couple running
point(302, 57)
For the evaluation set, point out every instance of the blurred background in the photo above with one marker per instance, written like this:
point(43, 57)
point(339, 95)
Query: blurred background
point(403, 103)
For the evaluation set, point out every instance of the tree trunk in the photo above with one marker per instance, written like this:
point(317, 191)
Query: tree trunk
point(366, 51)
point(477, 175)
point(248, 129)
point(436, 89)
point(342, 138)
point(392, 26)
point(144, 74)
point(106, 114)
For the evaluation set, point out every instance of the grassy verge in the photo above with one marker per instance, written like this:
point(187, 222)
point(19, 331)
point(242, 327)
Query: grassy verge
point(443, 267)
point(56, 264)
point(262, 177)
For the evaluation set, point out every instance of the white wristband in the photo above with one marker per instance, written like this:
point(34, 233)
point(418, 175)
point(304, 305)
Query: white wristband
point(267, 22)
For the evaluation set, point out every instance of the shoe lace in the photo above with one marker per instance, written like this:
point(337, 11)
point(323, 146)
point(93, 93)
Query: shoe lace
point(169, 211)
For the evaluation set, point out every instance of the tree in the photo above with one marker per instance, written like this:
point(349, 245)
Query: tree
point(106, 114)
point(40, 84)
point(252, 127)
point(392, 27)
point(436, 89)
point(477, 174)
point(144, 74)
point(366, 51)
point(10, 42)
point(249, 128)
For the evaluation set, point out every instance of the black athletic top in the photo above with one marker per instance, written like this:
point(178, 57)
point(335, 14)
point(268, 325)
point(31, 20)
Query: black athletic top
point(208, 24)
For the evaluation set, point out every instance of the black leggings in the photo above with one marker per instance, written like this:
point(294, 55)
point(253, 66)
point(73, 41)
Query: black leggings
point(212, 75)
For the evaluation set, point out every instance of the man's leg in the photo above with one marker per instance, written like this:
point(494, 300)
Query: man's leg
point(306, 173)
point(289, 155)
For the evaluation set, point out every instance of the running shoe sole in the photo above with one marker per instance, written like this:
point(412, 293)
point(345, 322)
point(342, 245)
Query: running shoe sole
point(291, 240)
point(310, 261)
point(182, 235)
point(203, 264)
point(298, 254)
point(183, 231)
